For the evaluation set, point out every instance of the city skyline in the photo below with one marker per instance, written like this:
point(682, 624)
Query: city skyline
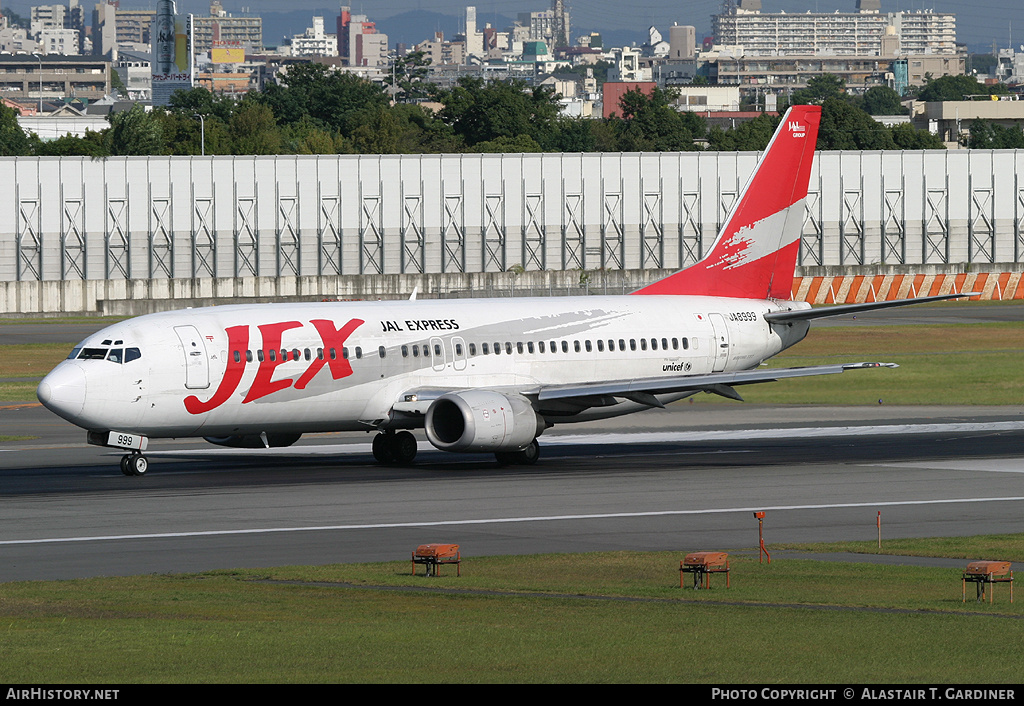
point(999, 21)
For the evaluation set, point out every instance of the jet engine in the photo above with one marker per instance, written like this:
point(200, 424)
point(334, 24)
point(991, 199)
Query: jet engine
point(254, 441)
point(482, 420)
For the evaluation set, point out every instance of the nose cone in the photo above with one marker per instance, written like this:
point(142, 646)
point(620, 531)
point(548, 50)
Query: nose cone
point(63, 391)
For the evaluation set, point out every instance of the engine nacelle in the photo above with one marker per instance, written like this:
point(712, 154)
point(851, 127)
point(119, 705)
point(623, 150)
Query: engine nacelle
point(254, 441)
point(482, 420)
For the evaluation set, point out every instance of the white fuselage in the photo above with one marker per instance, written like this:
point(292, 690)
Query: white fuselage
point(250, 369)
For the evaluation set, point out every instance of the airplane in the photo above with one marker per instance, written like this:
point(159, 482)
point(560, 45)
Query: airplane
point(478, 375)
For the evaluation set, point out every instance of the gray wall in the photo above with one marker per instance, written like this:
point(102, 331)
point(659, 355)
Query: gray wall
point(301, 218)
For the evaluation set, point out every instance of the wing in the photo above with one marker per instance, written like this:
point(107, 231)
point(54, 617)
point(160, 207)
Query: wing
point(414, 403)
point(643, 390)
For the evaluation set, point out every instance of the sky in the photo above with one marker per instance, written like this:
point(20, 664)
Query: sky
point(986, 21)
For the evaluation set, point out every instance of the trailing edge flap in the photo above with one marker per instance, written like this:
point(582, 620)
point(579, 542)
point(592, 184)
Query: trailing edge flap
point(718, 383)
point(781, 317)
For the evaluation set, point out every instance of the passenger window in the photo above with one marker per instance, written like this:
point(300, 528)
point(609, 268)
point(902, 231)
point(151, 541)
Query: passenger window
point(622, 344)
point(675, 344)
point(248, 356)
point(259, 355)
point(237, 356)
point(382, 351)
point(405, 351)
point(600, 345)
point(587, 345)
point(529, 346)
point(273, 354)
point(437, 350)
point(654, 344)
point(576, 346)
point(554, 348)
point(458, 349)
point(497, 348)
point(643, 344)
point(565, 346)
point(359, 352)
point(319, 353)
point(307, 355)
point(519, 347)
point(131, 354)
point(540, 346)
point(508, 347)
point(632, 344)
point(664, 344)
point(472, 349)
point(485, 349)
point(296, 355)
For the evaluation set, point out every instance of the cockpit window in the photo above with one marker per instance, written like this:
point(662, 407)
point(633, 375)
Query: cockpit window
point(93, 354)
point(114, 355)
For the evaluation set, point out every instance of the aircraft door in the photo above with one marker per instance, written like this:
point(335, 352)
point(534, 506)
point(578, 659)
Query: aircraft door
point(459, 353)
point(197, 365)
point(720, 345)
point(437, 354)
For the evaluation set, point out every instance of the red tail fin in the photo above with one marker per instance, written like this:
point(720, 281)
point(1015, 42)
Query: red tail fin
point(755, 254)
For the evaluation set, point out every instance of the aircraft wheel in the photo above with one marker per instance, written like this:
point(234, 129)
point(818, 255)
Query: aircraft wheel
point(403, 447)
point(134, 465)
point(524, 457)
point(383, 449)
point(529, 455)
point(138, 464)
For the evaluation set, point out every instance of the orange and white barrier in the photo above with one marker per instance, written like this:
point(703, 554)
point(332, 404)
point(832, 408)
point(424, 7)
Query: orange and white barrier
point(852, 289)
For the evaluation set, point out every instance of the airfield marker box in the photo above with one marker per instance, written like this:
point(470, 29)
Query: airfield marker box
point(701, 565)
point(981, 573)
point(432, 556)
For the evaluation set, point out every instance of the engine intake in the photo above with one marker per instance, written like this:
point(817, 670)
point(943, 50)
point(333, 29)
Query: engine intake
point(482, 420)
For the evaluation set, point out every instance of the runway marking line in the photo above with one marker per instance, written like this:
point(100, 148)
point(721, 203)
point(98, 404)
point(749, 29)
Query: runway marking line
point(504, 520)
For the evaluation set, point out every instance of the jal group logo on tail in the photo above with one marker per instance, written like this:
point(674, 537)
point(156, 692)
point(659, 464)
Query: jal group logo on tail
point(796, 128)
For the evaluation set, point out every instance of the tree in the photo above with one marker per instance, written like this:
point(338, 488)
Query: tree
point(253, 130)
point(957, 88)
point(882, 100)
point(819, 89)
point(480, 112)
point(407, 77)
point(334, 98)
point(993, 136)
point(845, 127)
point(13, 140)
point(649, 123)
point(135, 132)
point(907, 137)
point(750, 135)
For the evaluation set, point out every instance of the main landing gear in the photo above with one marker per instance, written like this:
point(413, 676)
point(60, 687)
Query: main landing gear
point(134, 464)
point(523, 457)
point(394, 447)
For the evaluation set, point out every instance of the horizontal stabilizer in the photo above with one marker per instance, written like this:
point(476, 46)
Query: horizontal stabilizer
point(780, 317)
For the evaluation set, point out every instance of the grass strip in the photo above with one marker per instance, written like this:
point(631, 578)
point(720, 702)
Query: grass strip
point(589, 618)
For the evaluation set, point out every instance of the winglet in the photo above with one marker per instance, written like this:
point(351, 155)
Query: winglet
point(754, 255)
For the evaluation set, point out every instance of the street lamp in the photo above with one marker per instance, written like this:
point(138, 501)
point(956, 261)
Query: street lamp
point(40, 81)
